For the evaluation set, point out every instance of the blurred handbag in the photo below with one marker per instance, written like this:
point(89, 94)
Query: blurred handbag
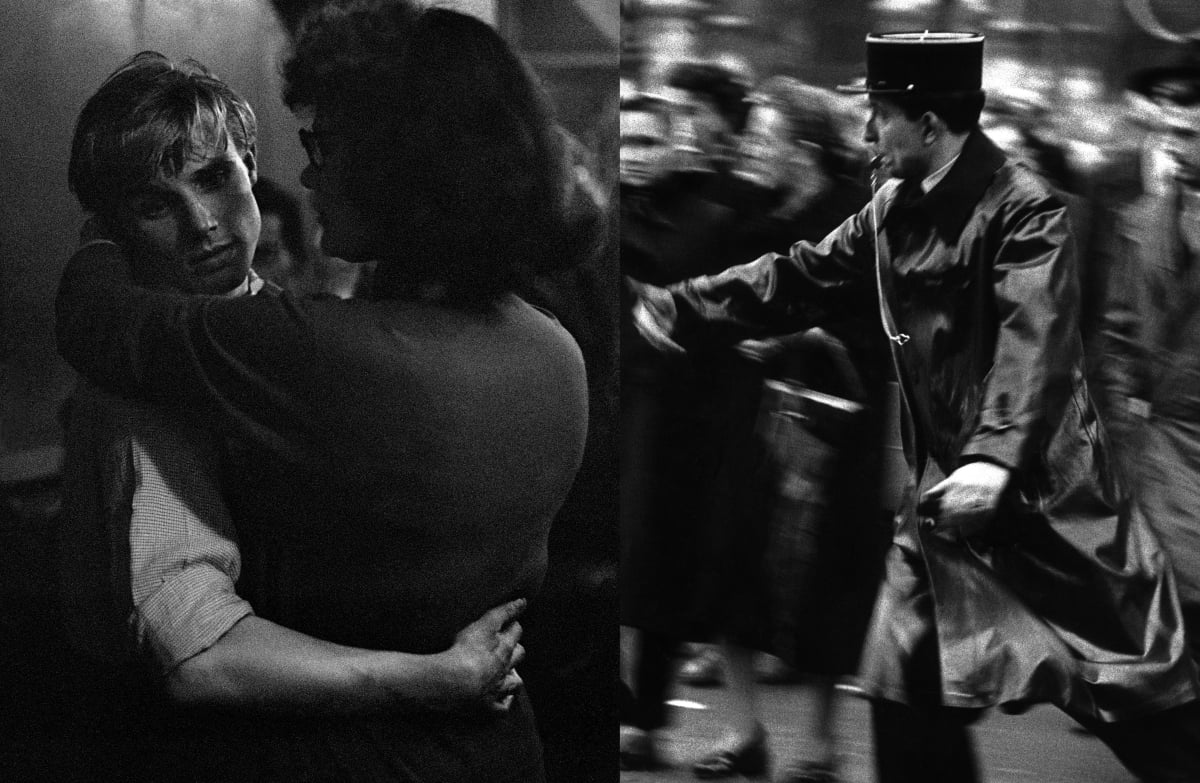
point(809, 423)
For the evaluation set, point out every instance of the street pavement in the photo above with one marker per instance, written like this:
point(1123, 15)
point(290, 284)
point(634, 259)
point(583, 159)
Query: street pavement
point(1040, 746)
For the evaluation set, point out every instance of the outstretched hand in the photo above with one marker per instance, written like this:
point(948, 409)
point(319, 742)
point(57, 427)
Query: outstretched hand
point(654, 315)
point(964, 505)
point(481, 665)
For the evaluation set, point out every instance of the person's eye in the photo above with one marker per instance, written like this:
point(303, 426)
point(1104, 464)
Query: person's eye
point(215, 178)
point(150, 207)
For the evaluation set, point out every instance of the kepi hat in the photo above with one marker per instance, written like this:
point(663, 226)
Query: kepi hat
point(921, 62)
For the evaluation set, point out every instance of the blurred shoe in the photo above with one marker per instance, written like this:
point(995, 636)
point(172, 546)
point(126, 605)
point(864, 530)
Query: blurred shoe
point(808, 772)
point(639, 750)
point(770, 670)
point(703, 670)
point(750, 759)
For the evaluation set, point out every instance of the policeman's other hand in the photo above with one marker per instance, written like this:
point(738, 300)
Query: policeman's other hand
point(964, 505)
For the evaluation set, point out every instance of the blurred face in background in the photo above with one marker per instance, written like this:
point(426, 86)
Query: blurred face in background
point(699, 133)
point(768, 157)
point(762, 150)
point(1182, 141)
point(194, 231)
point(272, 259)
point(645, 147)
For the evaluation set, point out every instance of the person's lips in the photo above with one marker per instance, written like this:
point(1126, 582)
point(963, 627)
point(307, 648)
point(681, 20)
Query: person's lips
point(210, 261)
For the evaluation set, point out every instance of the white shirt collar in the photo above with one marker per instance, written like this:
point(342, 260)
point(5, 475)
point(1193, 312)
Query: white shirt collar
point(933, 179)
point(251, 285)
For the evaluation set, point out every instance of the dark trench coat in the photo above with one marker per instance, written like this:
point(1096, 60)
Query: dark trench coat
point(1069, 599)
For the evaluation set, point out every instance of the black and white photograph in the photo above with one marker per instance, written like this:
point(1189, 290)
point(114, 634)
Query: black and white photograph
point(600, 391)
point(310, 392)
point(909, 380)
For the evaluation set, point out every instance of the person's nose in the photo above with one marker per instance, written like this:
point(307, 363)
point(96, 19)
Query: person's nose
point(870, 135)
point(201, 217)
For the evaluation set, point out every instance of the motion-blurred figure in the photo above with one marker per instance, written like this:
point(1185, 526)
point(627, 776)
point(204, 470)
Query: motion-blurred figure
point(795, 178)
point(672, 220)
point(1151, 366)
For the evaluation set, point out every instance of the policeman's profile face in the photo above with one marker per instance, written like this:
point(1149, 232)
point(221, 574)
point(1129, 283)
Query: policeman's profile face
point(645, 147)
point(897, 140)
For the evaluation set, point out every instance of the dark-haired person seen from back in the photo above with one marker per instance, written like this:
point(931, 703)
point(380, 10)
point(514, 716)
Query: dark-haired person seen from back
point(395, 461)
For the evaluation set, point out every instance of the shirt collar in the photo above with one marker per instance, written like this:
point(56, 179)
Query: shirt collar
point(937, 176)
point(248, 287)
point(950, 202)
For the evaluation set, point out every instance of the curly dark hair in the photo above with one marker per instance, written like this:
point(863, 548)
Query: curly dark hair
point(453, 148)
point(718, 84)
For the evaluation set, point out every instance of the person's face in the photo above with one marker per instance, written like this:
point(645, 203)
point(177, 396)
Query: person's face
point(699, 135)
point(762, 148)
point(897, 140)
point(345, 231)
point(769, 158)
point(645, 147)
point(272, 259)
point(1183, 140)
point(196, 231)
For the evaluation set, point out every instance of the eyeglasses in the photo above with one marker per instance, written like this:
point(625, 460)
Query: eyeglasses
point(311, 142)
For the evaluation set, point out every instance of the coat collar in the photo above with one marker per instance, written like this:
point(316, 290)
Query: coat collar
point(950, 203)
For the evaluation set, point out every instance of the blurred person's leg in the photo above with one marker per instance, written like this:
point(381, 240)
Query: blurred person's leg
point(652, 679)
point(921, 745)
point(743, 748)
point(645, 711)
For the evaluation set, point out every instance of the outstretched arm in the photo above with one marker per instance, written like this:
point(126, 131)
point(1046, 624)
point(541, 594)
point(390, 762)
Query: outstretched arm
point(774, 294)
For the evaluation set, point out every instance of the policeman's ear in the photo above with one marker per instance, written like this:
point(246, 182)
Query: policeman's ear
point(931, 127)
point(251, 164)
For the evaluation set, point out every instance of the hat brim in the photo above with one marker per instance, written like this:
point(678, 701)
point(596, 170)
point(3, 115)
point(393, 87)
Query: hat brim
point(860, 87)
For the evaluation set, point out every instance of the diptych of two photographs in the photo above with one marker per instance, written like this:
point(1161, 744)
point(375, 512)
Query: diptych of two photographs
point(598, 391)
